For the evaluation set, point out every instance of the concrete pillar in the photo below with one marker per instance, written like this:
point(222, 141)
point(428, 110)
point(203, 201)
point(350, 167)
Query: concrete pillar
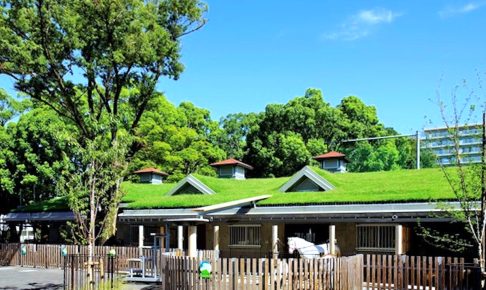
point(332, 240)
point(216, 238)
point(140, 240)
point(275, 241)
point(180, 237)
point(192, 247)
point(398, 239)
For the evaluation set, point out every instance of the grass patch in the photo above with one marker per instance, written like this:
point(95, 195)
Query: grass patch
point(53, 204)
point(384, 186)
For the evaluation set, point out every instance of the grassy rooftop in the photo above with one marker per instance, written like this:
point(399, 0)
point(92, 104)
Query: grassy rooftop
point(384, 186)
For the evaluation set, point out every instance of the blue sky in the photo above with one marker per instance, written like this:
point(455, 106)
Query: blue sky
point(394, 55)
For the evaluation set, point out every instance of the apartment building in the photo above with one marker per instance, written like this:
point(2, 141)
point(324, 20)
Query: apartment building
point(441, 142)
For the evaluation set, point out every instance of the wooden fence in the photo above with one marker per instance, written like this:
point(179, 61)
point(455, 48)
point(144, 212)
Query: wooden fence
point(80, 273)
point(50, 256)
point(376, 271)
point(410, 272)
point(343, 273)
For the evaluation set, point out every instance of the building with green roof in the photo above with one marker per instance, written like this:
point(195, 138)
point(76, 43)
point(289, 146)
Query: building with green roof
point(373, 212)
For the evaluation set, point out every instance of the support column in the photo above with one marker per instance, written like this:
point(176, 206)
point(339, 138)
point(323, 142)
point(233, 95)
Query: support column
point(167, 237)
point(180, 237)
point(140, 240)
point(216, 238)
point(398, 239)
point(275, 241)
point(332, 240)
point(192, 248)
point(162, 240)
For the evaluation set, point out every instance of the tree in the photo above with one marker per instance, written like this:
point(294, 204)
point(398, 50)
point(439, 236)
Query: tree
point(467, 181)
point(117, 50)
point(316, 125)
point(177, 140)
point(10, 108)
point(37, 156)
point(235, 129)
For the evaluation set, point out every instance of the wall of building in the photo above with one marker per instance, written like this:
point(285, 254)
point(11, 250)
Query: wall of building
point(346, 238)
point(241, 251)
point(150, 178)
point(239, 172)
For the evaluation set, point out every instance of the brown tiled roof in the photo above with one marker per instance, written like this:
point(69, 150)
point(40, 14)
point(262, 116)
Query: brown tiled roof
point(332, 154)
point(231, 161)
point(151, 170)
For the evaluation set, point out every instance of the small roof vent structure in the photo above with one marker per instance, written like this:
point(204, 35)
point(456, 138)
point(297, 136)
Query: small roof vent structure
point(190, 185)
point(231, 168)
point(151, 175)
point(306, 180)
point(333, 161)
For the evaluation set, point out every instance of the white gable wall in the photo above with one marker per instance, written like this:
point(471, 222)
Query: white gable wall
point(231, 171)
point(239, 172)
point(150, 178)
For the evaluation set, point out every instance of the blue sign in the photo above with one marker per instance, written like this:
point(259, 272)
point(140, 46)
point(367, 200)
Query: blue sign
point(64, 250)
point(23, 250)
point(205, 270)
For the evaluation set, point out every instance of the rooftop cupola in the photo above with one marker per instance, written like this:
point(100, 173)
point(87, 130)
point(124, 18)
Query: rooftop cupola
point(333, 161)
point(151, 175)
point(231, 168)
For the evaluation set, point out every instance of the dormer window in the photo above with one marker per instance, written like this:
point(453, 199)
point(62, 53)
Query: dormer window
point(333, 161)
point(306, 180)
point(190, 185)
point(231, 168)
point(151, 175)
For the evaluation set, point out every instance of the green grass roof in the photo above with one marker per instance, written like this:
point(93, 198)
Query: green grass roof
point(383, 186)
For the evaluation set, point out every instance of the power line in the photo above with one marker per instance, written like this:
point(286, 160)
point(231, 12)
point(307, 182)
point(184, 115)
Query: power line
point(416, 135)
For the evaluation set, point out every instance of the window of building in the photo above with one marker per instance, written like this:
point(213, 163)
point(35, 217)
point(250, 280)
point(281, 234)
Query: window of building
point(374, 238)
point(244, 236)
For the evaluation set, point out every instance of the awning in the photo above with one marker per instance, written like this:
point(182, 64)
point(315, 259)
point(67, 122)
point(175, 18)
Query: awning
point(39, 216)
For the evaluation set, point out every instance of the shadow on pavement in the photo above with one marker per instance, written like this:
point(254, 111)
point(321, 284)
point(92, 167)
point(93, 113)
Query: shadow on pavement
point(35, 286)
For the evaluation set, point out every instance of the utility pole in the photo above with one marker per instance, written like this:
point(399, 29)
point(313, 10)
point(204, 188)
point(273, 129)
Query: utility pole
point(417, 137)
point(483, 191)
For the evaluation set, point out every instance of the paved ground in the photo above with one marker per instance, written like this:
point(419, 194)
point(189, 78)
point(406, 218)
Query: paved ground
point(17, 278)
point(30, 278)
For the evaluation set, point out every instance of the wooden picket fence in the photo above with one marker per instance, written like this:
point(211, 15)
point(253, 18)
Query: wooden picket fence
point(415, 272)
point(374, 271)
point(343, 273)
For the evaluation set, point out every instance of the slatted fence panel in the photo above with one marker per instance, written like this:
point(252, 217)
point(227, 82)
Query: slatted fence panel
point(410, 272)
point(264, 274)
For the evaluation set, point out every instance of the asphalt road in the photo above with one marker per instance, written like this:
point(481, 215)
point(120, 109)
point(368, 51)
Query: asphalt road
point(30, 278)
point(17, 278)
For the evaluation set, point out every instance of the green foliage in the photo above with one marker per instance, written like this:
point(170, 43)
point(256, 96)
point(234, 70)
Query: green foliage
point(118, 50)
point(95, 184)
point(234, 129)
point(311, 124)
point(177, 139)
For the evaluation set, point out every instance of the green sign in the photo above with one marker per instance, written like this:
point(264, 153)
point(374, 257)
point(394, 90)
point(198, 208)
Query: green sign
point(23, 250)
point(63, 250)
point(112, 253)
point(205, 270)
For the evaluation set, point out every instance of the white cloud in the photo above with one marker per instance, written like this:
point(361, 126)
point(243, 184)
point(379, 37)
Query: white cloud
point(449, 11)
point(362, 24)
